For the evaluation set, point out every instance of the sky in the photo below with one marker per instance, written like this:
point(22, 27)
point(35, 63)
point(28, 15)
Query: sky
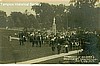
point(10, 5)
point(8, 8)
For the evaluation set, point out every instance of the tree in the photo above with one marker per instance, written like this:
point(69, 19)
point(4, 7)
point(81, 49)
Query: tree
point(10, 22)
point(20, 19)
point(33, 21)
point(16, 17)
point(3, 19)
point(82, 13)
point(26, 20)
point(45, 14)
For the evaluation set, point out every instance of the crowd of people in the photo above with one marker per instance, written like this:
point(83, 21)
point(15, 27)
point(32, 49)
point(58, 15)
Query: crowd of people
point(71, 40)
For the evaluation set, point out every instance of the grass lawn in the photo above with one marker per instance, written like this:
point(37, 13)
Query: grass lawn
point(11, 51)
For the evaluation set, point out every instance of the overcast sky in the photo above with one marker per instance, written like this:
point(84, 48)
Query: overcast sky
point(9, 9)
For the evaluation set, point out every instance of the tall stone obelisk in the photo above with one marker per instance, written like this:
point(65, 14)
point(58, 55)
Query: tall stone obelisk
point(54, 26)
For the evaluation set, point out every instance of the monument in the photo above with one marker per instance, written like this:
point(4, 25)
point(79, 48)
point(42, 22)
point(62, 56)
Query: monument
point(54, 26)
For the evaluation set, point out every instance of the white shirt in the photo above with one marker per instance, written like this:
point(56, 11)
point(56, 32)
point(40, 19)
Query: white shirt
point(66, 45)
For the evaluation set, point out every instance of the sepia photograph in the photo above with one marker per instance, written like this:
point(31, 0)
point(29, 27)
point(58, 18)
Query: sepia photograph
point(49, 31)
